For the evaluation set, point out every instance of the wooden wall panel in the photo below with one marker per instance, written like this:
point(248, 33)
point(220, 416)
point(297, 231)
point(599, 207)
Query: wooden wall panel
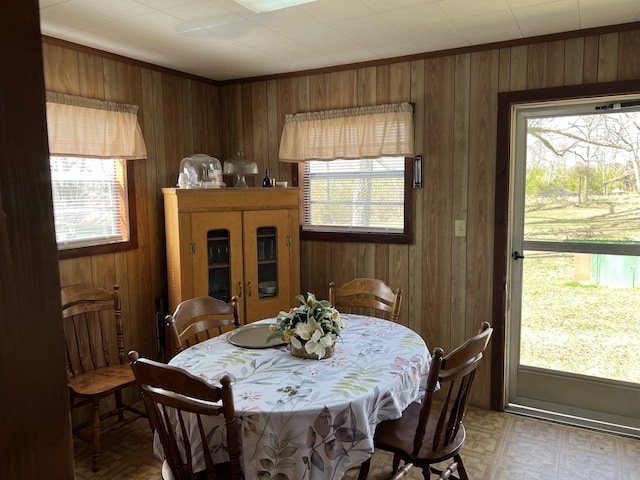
point(446, 279)
point(460, 194)
point(482, 135)
point(178, 117)
point(573, 61)
point(413, 310)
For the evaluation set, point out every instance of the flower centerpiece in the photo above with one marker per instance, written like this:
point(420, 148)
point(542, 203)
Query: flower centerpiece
point(311, 329)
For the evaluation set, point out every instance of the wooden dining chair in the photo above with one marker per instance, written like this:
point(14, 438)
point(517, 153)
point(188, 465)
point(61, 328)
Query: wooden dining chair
point(197, 319)
point(96, 361)
point(367, 296)
point(431, 432)
point(171, 395)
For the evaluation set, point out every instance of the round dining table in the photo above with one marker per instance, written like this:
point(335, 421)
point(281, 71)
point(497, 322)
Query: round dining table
point(305, 418)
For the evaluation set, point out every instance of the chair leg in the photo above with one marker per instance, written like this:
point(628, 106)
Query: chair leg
point(396, 463)
point(462, 473)
point(95, 433)
point(364, 469)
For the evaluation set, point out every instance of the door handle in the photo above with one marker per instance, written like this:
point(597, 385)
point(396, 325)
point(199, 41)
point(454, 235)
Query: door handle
point(239, 289)
point(516, 255)
point(249, 288)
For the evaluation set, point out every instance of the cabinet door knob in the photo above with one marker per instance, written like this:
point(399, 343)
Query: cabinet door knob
point(249, 288)
point(239, 289)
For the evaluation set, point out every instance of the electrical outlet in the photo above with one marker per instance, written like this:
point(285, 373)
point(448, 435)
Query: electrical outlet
point(460, 228)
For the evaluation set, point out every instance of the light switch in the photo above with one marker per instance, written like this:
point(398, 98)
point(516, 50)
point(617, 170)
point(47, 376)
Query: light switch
point(460, 228)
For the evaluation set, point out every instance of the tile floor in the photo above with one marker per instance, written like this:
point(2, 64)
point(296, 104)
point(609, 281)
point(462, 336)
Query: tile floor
point(499, 446)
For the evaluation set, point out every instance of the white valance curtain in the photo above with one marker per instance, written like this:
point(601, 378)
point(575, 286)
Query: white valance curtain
point(352, 133)
point(85, 127)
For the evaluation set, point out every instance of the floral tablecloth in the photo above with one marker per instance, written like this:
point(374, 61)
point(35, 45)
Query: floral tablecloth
point(312, 419)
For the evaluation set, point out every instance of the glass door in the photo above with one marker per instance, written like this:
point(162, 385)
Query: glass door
point(216, 250)
point(573, 280)
point(267, 263)
point(218, 246)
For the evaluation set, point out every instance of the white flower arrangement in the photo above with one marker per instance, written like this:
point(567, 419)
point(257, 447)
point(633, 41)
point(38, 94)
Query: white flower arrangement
point(314, 325)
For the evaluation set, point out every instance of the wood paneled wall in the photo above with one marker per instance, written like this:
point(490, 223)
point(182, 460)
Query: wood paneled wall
point(179, 117)
point(446, 280)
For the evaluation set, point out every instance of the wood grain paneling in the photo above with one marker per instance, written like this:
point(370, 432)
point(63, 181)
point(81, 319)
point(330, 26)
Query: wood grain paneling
point(447, 280)
point(179, 117)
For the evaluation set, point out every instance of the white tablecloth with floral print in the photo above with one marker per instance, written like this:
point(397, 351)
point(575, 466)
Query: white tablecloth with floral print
point(313, 419)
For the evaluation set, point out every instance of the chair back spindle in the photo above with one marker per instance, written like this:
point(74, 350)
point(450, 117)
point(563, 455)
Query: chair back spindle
point(198, 319)
point(367, 296)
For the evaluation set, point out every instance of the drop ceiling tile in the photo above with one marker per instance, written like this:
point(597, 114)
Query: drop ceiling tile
point(439, 36)
point(369, 31)
point(66, 17)
point(163, 4)
point(466, 8)
point(560, 16)
point(49, 3)
point(404, 19)
point(594, 13)
point(489, 28)
point(330, 11)
point(265, 40)
point(116, 9)
point(383, 6)
point(200, 12)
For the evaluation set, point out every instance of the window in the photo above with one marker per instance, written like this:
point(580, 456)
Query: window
point(91, 142)
point(90, 201)
point(366, 197)
point(357, 171)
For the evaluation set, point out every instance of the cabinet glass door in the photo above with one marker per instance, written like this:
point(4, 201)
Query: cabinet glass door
point(216, 252)
point(218, 246)
point(267, 262)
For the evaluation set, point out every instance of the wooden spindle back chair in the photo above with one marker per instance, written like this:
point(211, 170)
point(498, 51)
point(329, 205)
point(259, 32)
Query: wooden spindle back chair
point(171, 395)
point(96, 362)
point(432, 431)
point(367, 296)
point(197, 319)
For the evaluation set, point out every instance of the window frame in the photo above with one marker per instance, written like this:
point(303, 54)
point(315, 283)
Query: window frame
point(114, 247)
point(406, 237)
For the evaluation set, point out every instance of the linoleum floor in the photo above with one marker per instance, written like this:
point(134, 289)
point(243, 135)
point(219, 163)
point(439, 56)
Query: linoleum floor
point(499, 446)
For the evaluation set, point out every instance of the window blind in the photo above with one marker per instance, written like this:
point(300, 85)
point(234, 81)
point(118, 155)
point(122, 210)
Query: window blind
point(364, 195)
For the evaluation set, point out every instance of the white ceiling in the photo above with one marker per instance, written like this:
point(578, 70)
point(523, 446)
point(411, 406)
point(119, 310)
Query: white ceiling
point(221, 40)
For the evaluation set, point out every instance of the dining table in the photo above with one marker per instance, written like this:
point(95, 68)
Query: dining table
point(302, 418)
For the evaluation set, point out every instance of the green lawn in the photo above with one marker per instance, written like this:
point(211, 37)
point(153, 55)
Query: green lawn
point(569, 322)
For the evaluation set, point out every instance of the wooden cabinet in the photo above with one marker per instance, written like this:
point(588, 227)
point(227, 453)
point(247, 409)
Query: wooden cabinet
point(243, 242)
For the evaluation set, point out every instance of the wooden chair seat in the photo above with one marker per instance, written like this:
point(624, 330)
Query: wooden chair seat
point(102, 381)
point(398, 436)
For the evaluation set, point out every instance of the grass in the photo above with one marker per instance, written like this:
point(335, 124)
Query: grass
point(569, 323)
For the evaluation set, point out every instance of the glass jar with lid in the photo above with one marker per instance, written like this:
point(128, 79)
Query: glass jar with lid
point(201, 171)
